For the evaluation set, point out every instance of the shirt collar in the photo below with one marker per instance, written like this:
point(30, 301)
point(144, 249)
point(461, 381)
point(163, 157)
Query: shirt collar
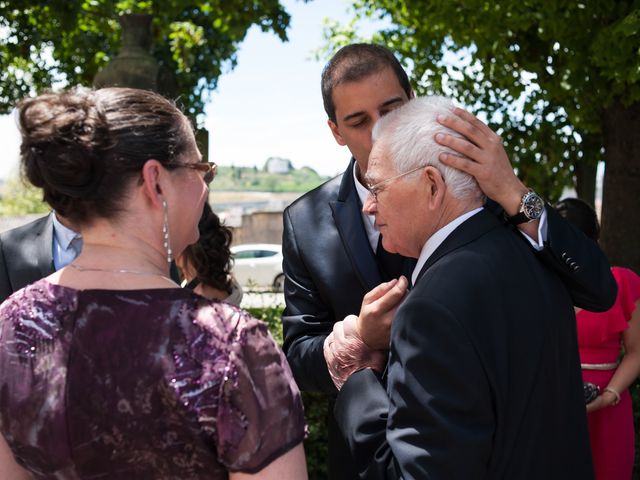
point(363, 193)
point(369, 220)
point(436, 240)
point(64, 235)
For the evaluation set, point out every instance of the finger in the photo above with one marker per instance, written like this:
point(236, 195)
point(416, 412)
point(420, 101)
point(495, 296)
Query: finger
point(327, 349)
point(594, 405)
point(460, 145)
point(477, 124)
point(378, 291)
point(393, 297)
point(338, 332)
point(461, 163)
point(467, 125)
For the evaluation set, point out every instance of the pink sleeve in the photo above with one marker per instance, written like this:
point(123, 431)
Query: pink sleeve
point(628, 290)
point(260, 416)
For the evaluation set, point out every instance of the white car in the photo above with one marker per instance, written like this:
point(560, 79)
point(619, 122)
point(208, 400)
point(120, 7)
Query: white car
point(258, 265)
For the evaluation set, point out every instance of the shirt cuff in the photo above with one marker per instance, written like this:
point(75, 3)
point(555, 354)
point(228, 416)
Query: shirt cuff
point(538, 244)
point(345, 352)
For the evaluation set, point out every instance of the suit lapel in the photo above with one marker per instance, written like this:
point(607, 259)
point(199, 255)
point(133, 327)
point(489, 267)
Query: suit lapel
point(467, 232)
point(30, 256)
point(348, 220)
point(44, 247)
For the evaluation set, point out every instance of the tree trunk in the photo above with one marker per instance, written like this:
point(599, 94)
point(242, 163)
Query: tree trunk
point(586, 181)
point(621, 192)
point(586, 167)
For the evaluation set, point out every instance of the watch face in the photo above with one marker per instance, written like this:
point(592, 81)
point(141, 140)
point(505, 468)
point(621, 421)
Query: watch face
point(532, 206)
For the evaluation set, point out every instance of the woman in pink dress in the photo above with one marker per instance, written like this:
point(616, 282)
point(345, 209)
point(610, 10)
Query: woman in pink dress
point(600, 338)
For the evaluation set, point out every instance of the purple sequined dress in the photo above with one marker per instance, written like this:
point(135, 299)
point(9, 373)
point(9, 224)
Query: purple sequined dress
point(141, 384)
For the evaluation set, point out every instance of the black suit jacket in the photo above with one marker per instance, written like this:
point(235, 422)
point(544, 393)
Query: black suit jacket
point(329, 266)
point(26, 255)
point(484, 379)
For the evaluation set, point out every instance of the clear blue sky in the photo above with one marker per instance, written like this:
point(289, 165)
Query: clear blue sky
point(269, 105)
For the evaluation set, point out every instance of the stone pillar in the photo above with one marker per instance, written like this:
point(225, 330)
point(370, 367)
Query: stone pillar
point(135, 67)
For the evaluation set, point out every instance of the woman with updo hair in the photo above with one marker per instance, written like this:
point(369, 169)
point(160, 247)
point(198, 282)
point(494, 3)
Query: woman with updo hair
point(206, 265)
point(606, 370)
point(107, 368)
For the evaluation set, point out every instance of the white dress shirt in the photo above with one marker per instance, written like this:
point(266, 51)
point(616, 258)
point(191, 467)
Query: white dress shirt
point(369, 221)
point(437, 238)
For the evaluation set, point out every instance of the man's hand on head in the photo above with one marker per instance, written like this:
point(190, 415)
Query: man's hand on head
point(486, 160)
point(378, 309)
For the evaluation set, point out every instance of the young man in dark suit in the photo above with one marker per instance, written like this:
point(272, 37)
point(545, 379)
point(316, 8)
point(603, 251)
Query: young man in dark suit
point(332, 256)
point(483, 379)
point(35, 250)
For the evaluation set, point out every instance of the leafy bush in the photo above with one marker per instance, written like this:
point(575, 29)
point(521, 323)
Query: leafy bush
point(18, 198)
point(315, 404)
point(242, 179)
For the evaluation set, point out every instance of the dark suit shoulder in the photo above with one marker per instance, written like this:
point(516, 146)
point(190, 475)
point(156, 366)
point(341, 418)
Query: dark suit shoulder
point(35, 227)
point(316, 198)
point(493, 265)
point(25, 254)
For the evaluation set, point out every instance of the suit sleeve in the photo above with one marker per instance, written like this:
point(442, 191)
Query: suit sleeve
point(439, 404)
point(580, 263)
point(306, 320)
point(5, 284)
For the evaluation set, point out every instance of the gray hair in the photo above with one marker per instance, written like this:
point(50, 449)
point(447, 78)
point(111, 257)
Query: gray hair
point(408, 135)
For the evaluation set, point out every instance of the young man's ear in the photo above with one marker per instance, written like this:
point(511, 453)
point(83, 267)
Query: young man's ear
point(336, 132)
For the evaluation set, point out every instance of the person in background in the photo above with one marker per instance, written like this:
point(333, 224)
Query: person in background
point(600, 338)
point(33, 251)
point(107, 368)
point(206, 265)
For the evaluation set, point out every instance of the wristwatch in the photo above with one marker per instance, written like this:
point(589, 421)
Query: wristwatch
point(531, 208)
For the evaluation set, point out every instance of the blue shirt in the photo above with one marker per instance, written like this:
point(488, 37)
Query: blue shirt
point(64, 252)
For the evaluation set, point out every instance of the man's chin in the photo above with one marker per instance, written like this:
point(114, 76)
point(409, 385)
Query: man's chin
point(389, 246)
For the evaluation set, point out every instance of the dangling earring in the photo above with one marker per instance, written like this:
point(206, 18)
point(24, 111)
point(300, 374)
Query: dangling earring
point(165, 232)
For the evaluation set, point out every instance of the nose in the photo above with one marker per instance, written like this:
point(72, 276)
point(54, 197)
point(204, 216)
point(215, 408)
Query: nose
point(369, 206)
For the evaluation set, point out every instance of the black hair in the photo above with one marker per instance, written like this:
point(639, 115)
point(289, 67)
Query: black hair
point(210, 256)
point(355, 62)
point(84, 147)
point(581, 215)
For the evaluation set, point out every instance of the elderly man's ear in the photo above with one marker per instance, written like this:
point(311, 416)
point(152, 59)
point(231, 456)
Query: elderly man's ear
point(434, 183)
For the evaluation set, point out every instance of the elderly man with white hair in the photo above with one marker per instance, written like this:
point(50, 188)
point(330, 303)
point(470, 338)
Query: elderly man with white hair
point(483, 378)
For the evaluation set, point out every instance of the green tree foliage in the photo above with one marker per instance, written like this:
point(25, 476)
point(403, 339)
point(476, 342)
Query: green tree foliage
point(252, 179)
point(315, 404)
point(558, 79)
point(66, 42)
point(19, 198)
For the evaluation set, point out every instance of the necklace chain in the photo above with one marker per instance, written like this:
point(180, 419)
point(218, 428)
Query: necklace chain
point(118, 270)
